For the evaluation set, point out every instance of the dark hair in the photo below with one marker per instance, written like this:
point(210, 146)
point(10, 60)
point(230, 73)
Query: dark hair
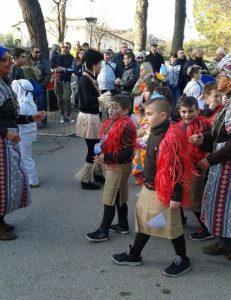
point(161, 105)
point(166, 92)
point(123, 101)
point(67, 43)
point(173, 55)
point(208, 87)
point(188, 101)
point(91, 57)
point(151, 86)
point(85, 44)
point(130, 55)
point(34, 46)
point(18, 51)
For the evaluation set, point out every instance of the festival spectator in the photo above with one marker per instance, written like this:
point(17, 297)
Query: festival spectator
point(130, 75)
point(85, 46)
point(19, 56)
point(181, 60)
point(155, 58)
point(220, 53)
point(173, 78)
point(78, 71)
point(193, 87)
point(30, 71)
point(118, 59)
point(196, 59)
point(140, 57)
point(63, 84)
point(107, 76)
point(44, 78)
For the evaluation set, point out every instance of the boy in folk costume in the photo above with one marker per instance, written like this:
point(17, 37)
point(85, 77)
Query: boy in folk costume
point(192, 123)
point(167, 173)
point(116, 150)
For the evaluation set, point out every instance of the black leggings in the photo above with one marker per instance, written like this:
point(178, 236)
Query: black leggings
point(90, 150)
point(141, 239)
point(109, 214)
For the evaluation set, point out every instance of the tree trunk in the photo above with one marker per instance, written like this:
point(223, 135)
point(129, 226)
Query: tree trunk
point(62, 20)
point(141, 25)
point(180, 16)
point(33, 17)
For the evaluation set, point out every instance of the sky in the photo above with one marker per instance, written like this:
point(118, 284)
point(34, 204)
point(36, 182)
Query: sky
point(118, 14)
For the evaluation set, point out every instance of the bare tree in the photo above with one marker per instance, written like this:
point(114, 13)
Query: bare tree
point(141, 24)
point(99, 33)
point(33, 17)
point(60, 22)
point(180, 16)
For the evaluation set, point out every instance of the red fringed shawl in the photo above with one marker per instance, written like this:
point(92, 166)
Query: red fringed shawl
point(199, 125)
point(120, 134)
point(174, 166)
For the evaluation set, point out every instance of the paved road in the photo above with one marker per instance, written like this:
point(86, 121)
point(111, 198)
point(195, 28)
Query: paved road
point(51, 259)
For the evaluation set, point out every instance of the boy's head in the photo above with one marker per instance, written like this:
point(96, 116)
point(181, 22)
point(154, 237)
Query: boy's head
point(157, 111)
point(194, 71)
point(210, 93)
point(173, 58)
point(189, 109)
point(119, 106)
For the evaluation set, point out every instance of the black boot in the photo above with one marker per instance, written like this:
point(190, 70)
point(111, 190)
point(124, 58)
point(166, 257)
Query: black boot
point(90, 186)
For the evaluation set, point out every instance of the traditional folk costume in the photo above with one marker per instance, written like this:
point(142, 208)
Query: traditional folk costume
point(167, 174)
point(162, 183)
point(216, 209)
point(14, 187)
point(88, 123)
point(117, 142)
point(199, 126)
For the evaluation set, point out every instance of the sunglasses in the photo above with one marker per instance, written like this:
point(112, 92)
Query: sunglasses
point(37, 52)
point(10, 58)
point(139, 57)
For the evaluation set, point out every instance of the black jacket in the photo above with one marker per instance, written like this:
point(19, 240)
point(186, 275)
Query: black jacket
point(129, 78)
point(88, 96)
point(155, 60)
point(17, 73)
point(190, 62)
point(118, 60)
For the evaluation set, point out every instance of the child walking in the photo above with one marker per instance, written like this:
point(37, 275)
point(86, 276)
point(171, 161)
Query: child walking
point(167, 172)
point(116, 149)
point(192, 123)
point(23, 89)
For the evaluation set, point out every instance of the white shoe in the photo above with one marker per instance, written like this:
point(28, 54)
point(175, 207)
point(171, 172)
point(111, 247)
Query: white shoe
point(62, 119)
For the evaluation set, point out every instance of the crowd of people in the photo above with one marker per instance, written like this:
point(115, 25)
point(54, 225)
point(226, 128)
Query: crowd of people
point(167, 124)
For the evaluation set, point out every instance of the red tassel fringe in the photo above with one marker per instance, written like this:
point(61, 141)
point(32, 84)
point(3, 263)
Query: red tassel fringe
point(173, 166)
point(122, 134)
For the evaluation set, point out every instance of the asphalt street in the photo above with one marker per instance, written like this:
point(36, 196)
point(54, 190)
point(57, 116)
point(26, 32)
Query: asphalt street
point(52, 260)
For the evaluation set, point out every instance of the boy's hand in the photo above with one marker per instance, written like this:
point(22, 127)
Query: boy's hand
point(203, 164)
point(174, 204)
point(196, 139)
point(13, 137)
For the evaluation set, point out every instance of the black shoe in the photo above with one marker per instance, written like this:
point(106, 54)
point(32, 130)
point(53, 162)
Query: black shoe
point(41, 125)
point(178, 267)
point(99, 178)
point(184, 222)
point(98, 236)
point(127, 259)
point(202, 234)
point(216, 249)
point(90, 186)
point(119, 229)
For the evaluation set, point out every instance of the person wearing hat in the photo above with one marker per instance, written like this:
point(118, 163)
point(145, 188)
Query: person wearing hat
point(107, 76)
point(155, 58)
point(140, 57)
point(216, 208)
